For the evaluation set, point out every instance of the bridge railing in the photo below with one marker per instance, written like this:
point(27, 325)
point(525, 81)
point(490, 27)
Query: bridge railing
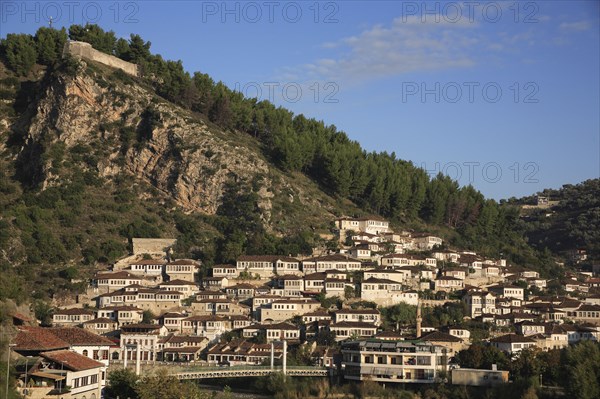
point(241, 367)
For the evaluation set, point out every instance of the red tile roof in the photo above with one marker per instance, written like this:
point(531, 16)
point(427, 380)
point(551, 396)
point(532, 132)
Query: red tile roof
point(38, 339)
point(79, 336)
point(44, 339)
point(71, 360)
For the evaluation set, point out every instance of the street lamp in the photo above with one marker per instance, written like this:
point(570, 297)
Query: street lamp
point(26, 369)
point(62, 367)
point(8, 366)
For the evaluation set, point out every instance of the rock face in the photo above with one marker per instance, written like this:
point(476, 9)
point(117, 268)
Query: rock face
point(137, 133)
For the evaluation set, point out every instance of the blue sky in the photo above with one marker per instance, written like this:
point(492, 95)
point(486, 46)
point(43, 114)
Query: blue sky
point(504, 95)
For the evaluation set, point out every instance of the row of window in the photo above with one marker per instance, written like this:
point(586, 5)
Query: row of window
point(83, 381)
point(116, 282)
point(78, 317)
point(96, 354)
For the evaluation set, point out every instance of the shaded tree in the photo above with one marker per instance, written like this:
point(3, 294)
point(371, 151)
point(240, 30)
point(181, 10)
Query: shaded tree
point(20, 51)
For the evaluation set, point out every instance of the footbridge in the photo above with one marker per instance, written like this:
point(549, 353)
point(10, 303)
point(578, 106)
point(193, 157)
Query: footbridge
point(199, 373)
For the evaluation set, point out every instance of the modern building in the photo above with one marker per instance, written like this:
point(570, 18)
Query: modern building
point(393, 361)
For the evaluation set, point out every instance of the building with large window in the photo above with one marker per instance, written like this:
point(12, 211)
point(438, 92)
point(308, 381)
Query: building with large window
point(393, 361)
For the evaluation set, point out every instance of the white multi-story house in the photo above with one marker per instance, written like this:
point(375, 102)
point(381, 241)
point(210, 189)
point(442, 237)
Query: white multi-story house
point(144, 336)
point(85, 343)
point(508, 291)
point(352, 329)
point(426, 241)
point(588, 314)
point(446, 256)
point(241, 291)
point(448, 284)
point(289, 285)
point(455, 272)
point(337, 287)
point(123, 315)
point(33, 340)
point(459, 332)
point(148, 267)
point(173, 321)
point(183, 269)
point(218, 307)
point(398, 260)
point(480, 303)
point(181, 348)
point(363, 251)
point(530, 328)
point(229, 271)
point(85, 377)
point(101, 325)
point(397, 275)
point(512, 343)
point(365, 315)
point(372, 225)
point(187, 288)
point(386, 292)
point(317, 315)
point(71, 317)
point(273, 332)
point(268, 265)
point(282, 310)
point(113, 281)
point(155, 300)
point(394, 361)
point(209, 326)
point(331, 262)
point(418, 272)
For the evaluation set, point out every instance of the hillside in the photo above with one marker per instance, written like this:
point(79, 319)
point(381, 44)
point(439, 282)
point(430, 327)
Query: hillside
point(573, 222)
point(91, 157)
point(97, 158)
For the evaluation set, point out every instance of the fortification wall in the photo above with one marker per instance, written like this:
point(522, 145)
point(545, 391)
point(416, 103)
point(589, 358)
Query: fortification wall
point(152, 245)
point(85, 50)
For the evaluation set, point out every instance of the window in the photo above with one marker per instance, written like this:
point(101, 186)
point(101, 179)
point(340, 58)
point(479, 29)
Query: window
point(85, 352)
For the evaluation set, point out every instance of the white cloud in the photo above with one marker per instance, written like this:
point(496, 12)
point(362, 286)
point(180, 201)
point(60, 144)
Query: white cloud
point(575, 26)
point(407, 45)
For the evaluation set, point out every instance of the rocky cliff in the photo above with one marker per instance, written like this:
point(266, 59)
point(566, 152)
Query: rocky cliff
point(128, 128)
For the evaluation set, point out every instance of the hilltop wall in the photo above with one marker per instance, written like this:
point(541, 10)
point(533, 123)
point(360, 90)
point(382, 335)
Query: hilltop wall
point(152, 245)
point(85, 50)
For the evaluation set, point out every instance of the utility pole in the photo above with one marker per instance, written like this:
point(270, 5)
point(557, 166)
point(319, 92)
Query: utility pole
point(62, 367)
point(272, 355)
point(26, 369)
point(137, 359)
point(8, 366)
point(284, 358)
point(419, 319)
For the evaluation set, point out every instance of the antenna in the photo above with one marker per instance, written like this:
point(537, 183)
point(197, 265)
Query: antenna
point(50, 21)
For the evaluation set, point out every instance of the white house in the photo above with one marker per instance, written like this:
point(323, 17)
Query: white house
point(85, 377)
point(512, 343)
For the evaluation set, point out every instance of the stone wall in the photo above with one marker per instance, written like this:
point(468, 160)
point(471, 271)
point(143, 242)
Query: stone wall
point(152, 245)
point(85, 50)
